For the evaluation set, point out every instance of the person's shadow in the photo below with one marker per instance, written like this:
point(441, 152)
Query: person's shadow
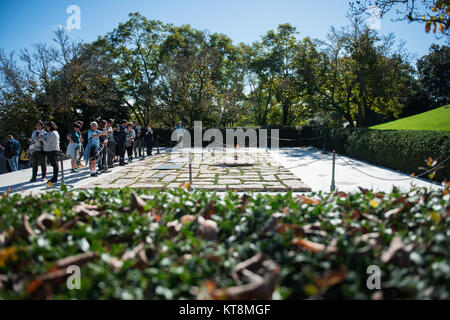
point(69, 180)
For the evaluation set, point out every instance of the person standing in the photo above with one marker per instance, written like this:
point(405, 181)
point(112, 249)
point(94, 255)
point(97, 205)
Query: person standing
point(103, 146)
point(116, 134)
point(50, 140)
point(148, 138)
point(121, 141)
point(131, 136)
point(93, 146)
point(12, 152)
point(73, 149)
point(81, 150)
point(137, 146)
point(111, 146)
point(37, 153)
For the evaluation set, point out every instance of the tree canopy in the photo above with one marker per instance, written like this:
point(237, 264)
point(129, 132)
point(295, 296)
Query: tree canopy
point(159, 73)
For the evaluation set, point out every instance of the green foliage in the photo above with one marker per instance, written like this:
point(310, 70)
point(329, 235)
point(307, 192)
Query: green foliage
point(401, 150)
point(358, 227)
point(434, 73)
point(160, 73)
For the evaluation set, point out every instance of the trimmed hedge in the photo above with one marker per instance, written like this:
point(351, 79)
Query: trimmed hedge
point(396, 149)
point(401, 150)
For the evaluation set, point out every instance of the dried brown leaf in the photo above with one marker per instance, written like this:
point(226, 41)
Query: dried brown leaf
point(207, 229)
point(257, 277)
point(330, 278)
point(45, 221)
point(396, 245)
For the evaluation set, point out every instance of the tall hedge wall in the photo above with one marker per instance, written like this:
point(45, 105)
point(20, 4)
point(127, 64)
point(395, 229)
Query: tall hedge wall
point(401, 150)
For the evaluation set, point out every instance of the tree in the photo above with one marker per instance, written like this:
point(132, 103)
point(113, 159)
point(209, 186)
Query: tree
point(261, 82)
point(18, 111)
point(189, 68)
point(356, 75)
point(281, 49)
point(134, 46)
point(434, 74)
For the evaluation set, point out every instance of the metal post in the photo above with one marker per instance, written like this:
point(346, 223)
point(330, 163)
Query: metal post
point(190, 168)
point(157, 144)
point(333, 185)
point(62, 168)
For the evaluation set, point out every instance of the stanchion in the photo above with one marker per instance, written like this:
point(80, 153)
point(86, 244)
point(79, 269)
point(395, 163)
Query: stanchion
point(333, 185)
point(157, 144)
point(61, 157)
point(190, 168)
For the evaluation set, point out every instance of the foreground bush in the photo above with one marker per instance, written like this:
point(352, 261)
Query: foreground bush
point(176, 244)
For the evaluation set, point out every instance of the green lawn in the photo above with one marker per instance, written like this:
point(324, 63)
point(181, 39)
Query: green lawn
point(436, 119)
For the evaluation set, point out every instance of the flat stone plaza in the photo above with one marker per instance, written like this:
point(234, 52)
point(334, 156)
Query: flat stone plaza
point(215, 170)
point(242, 170)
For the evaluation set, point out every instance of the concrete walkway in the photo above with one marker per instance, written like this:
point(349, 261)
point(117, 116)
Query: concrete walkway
point(317, 171)
point(309, 165)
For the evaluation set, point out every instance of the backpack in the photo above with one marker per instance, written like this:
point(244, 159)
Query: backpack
point(9, 151)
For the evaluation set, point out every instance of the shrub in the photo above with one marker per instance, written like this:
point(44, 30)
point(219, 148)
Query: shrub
point(401, 150)
point(321, 243)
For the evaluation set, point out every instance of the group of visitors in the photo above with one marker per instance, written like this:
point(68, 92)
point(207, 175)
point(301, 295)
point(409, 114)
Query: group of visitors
point(44, 145)
point(106, 145)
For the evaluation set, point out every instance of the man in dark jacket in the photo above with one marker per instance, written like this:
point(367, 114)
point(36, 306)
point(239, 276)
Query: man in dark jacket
point(12, 152)
point(122, 140)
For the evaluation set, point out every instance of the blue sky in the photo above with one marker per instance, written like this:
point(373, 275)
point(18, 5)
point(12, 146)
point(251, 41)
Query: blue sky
point(24, 22)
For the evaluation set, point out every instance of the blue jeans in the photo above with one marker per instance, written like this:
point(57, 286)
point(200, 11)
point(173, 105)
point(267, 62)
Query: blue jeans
point(14, 163)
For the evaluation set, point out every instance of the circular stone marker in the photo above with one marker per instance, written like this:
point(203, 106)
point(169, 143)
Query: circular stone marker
point(233, 162)
point(237, 164)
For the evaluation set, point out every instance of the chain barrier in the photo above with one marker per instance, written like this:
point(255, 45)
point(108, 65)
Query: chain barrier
point(402, 179)
point(298, 139)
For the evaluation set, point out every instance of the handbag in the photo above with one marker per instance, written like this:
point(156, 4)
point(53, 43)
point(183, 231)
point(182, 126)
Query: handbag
point(24, 156)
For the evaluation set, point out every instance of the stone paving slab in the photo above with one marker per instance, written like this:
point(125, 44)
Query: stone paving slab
point(239, 171)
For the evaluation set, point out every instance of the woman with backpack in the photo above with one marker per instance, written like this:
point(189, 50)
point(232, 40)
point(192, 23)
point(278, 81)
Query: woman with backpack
point(50, 140)
point(37, 153)
point(73, 149)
